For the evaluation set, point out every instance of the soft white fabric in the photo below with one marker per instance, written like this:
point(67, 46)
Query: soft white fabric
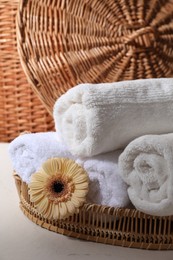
point(106, 187)
point(146, 165)
point(29, 151)
point(98, 118)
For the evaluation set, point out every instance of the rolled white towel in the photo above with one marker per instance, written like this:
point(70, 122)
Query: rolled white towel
point(29, 151)
point(146, 165)
point(98, 118)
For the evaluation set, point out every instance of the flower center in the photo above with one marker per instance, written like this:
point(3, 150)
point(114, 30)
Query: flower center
point(58, 186)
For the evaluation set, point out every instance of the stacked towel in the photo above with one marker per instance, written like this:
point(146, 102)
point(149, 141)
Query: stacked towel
point(92, 121)
point(29, 151)
point(146, 165)
point(106, 187)
point(95, 119)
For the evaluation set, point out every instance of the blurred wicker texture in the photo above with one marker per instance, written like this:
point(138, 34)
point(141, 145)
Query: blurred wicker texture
point(63, 43)
point(115, 226)
point(20, 108)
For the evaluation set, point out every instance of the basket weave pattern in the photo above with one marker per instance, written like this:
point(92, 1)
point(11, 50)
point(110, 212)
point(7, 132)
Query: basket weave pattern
point(20, 108)
point(123, 227)
point(64, 43)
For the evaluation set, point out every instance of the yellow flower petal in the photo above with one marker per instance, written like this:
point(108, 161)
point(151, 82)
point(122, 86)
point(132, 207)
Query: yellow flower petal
point(80, 193)
point(75, 201)
point(47, 168)
point(36, 186)
point(81, 186)
point(35, 193)
point(39, 176)
point(48, 212)
point(80, 179)
point(63, 210)
point(55, 211)
point(43, 205)
point(70, 207)
point(59, 188)
point(37, 198)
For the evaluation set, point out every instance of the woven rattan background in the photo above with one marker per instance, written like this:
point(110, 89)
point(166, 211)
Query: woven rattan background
point(20, 108)
point(63, 43)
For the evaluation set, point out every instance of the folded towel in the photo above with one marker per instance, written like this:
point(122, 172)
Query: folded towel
point(98, 118)
point(29, 151)
point(106, 187)
point(146, 165)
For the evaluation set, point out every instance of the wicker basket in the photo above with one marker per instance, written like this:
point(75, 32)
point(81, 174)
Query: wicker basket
point(20, 108)
point(63, 43)
point(115, 226)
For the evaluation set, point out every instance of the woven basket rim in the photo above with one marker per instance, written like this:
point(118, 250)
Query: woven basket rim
point(110, 210)
point(97, 223)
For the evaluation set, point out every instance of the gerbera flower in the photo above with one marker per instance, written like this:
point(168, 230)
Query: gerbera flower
point(59, 188)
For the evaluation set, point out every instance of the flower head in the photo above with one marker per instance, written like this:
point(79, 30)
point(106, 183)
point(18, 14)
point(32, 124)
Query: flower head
point(59, 188)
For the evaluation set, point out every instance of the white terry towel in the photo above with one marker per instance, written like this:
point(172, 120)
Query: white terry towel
point(106, 187)
point(29, 151)
point(98, 118)
point(146, 165)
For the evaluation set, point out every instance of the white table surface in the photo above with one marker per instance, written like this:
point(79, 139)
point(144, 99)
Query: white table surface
point(20, 239)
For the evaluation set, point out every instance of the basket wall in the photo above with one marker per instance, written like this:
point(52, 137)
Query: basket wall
point(20, 108)
point(122, 227)
point(64, 43)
